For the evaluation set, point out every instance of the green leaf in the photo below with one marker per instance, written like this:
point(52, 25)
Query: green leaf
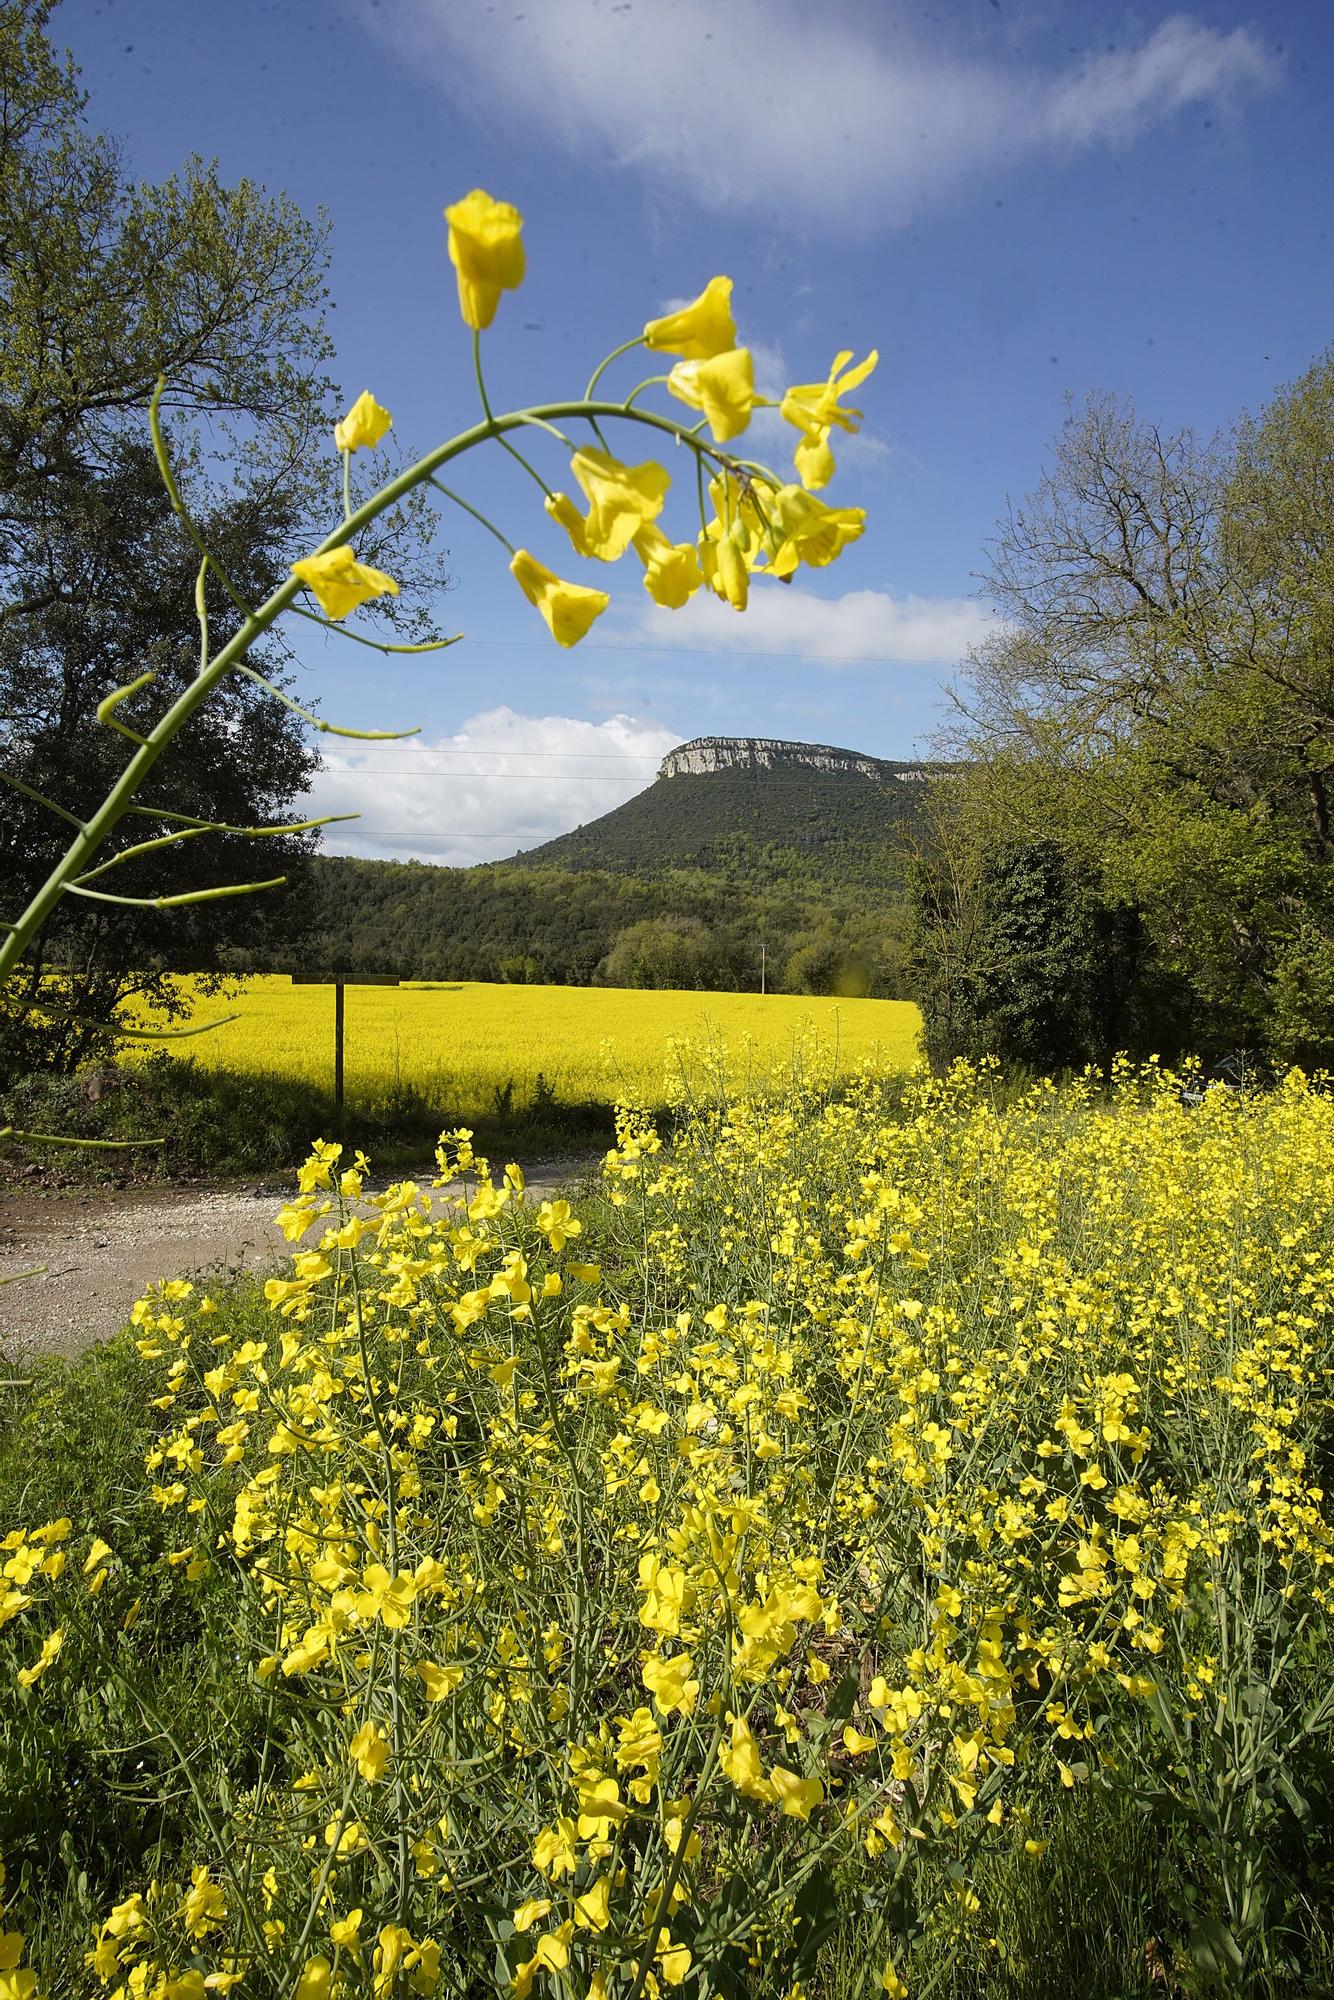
point(1213, 1947)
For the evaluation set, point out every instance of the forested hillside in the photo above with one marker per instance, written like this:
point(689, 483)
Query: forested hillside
point(788, 873)
point(789, 824)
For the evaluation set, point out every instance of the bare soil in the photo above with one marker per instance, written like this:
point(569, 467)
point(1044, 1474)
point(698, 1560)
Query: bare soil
point(101, 1246)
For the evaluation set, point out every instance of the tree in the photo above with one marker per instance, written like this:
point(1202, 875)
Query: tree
point(105, 286)
point(1160, 701)
point(119, 571)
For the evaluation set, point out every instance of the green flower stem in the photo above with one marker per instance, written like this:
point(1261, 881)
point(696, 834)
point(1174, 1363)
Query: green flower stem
point(62, 1139)
point(396, 1729)
point(379, 645)
point(76, 888)
point(39, 799)
point(154, 1034)
point(122, 795)
point(476, 513)
point(216, 826)
point(182, 512)
point(663, 1906)
point(540, 424)
point(513, 450)
point(649, 382)
point(626, 347)
point(317, 722)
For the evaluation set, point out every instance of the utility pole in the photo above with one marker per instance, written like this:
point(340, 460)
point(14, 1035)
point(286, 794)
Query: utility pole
point(764, 952)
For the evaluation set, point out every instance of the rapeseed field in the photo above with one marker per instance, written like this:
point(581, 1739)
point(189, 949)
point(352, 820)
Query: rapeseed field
point(599, 1045)
point(853, 1552)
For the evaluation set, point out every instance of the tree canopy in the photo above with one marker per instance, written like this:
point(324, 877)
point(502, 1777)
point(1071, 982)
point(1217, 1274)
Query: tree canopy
point(1159, 704)
point(108, 284)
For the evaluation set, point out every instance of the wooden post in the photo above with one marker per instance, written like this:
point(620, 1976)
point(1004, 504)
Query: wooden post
point(340, 981)
point(338, 1054)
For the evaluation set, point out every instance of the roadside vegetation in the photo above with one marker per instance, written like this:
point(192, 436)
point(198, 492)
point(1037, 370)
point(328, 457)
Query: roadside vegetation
point(852, 1550)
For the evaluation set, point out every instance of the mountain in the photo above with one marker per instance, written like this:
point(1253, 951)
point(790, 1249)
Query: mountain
point(755, 810)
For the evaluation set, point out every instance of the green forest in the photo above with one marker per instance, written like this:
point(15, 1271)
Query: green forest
point(791, 876)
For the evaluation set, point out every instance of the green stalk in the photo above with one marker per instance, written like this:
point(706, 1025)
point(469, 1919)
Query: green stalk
point(120, 799)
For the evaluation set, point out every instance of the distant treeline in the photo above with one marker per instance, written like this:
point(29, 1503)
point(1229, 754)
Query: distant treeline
point(680, 928)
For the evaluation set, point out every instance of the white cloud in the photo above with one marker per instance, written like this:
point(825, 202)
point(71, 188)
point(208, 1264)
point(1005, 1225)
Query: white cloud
point(860, 628)
point(1113, 96)
point(845, 121)
point(502, 782)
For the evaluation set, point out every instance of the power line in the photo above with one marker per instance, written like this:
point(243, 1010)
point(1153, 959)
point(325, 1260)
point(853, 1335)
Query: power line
point(611, 756)
point(491, 777)
point(735, 652)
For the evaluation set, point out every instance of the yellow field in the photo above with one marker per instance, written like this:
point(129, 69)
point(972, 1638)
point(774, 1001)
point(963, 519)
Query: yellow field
point(589, 1043)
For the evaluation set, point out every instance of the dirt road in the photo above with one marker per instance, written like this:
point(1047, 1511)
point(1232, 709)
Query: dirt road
point(102, 1246)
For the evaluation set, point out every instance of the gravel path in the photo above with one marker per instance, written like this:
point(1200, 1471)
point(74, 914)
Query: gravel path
point(102, 1246)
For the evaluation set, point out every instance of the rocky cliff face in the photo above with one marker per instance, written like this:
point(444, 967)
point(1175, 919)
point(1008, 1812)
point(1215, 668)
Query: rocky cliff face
point(705, 754)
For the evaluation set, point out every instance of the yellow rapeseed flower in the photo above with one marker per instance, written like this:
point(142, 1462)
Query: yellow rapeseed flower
point(700, 330)
point(814, 409)
point(568, 608)
point(722, 388)
point(51, 1645)
point(341, 583)
point(369, 1751)
point(486, 249)
point(621, 499)
point(671, 569)
point(365, 424)
point(437, 1681)
point(803, 529)
point(316, 1981)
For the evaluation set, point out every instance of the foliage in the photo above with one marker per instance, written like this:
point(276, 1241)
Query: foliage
point(515, 920)
point(1159, 704)
point(788, 824)
point(856, 1542)
point(105, 285)
point(112, 576)
point(1015, 955)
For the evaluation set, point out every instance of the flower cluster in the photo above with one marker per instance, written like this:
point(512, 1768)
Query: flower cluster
point(754, 522)
point(840, 1491)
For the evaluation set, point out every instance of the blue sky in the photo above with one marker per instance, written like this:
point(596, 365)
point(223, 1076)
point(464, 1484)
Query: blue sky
point(1014, 202)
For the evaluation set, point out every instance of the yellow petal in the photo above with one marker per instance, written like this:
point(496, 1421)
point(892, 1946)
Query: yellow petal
point(568, 608)
point(341, 583)
point(814, 460)
point(700, 330)
point(486, 249)
point(563, 510)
